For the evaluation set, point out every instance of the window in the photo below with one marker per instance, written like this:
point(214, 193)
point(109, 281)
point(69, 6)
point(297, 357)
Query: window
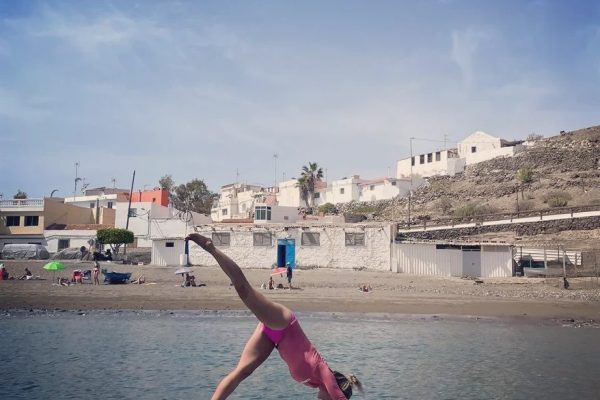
point(285, 218)
point(169, 244)
point(262, 239)
point(342, 191)
point(372, 187)
point(110, 204)
point(473, 149)
point(438, 156)
point(32, 220)
point(393, 183)
point(224, 212)
point(133, 212)
point(412, 161)
point(422, 159)
point(63, 244)
point(221, 238)
point(263, 213)
point(92, 204)
point(13, 220)
point(317, 195)
point(355, 239)
point(310, 239)
point(429, 157)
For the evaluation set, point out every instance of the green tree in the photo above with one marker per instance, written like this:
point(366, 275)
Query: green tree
point(327, 208)
point(525, 176)
point(167, 183)
point(193, 196)
point(20, 195)
point(309, 177)
point(114, 237)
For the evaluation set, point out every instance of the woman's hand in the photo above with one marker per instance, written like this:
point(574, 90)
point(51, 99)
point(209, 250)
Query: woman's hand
point(201, 241)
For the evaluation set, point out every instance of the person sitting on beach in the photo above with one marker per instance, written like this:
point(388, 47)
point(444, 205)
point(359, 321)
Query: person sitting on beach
point(28, 275)
point(140, 280)
point(271, 283)
point(365, 288)
point(278, 328)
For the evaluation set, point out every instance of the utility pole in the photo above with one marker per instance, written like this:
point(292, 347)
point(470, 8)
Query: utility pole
point(445, 140)
point(129, 212)
point(76, 180)
point(275, 157)
point(411, 179)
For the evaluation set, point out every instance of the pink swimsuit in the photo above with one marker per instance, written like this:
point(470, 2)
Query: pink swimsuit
point(304, 361)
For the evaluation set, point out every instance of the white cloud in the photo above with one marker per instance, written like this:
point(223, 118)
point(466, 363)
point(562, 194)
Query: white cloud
point(465, 44)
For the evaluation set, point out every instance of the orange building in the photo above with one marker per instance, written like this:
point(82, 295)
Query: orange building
point(158, 196)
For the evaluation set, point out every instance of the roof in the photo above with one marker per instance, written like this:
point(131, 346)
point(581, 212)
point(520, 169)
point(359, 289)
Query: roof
point(63, 227)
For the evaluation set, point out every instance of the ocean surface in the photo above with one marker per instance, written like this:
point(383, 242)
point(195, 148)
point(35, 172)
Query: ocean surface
point(183, 355)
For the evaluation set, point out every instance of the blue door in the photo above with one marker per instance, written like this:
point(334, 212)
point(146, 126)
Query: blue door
point(286, 252)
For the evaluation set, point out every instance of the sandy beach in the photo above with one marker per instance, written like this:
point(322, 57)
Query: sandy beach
point(317, 290)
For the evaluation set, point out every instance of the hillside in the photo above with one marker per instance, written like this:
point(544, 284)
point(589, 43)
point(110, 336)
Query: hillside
point(564, 171)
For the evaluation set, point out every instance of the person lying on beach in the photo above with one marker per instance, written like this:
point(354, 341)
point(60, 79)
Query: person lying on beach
point(278, 328)
point(140, 280)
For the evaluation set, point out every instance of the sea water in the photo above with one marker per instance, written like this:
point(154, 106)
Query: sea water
point(183, 355)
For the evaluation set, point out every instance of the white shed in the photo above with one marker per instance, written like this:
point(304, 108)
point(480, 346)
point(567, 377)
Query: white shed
point(480, 260)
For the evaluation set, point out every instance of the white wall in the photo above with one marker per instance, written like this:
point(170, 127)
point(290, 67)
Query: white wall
point(279, 214)
point(384, 190)
point(163, 255)
point(77, 238)
point(480, 156)
point(425, 259)
point(85, 201)
point(332, 252)
point(289, 194)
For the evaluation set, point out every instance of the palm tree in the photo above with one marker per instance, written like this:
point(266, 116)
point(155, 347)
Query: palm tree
point(309, 176)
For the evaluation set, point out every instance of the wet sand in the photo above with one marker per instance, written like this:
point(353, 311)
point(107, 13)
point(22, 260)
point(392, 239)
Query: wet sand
point(317, 290)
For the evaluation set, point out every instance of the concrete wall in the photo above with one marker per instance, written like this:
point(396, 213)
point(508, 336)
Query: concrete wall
point(279, 214)
point(56, 212)
point(384, 190)
point(103, 200)
point(289, 194)
point(164, 255)
point(331, 253)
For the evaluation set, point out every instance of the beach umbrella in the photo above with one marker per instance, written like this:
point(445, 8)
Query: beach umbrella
point(54, 266)
point(183, 270)
point(278, 271)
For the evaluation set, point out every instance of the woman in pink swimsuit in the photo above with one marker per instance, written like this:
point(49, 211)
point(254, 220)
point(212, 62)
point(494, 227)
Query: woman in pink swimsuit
point(278, 328)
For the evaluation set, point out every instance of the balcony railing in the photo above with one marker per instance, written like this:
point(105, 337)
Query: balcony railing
point(21, 203)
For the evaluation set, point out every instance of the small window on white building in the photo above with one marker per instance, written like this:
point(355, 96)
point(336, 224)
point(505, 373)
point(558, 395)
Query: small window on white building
point(310, 239)
point(110, 204)
point(224, 212)
point(132, 212)
point(473, 149)
point(355, 239)
point(342, 191)
point(317, 195)
point(262, 239)
point(393, 183)
point(221, 238)
point(422, 159)
point(372, 187)
point(63, 244)
point(430, 157)
point(262, 213)
point(169, 244)
point(93, 204)
point(438, 156)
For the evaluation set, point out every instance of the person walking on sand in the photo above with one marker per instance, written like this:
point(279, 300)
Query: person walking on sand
point(278, 328)
point(289, 273)
point(96, 273)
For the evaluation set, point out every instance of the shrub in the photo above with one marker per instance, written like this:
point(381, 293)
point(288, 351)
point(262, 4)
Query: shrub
point(525, 175)
point(557, 199)
point(327, 208)
point(524, 205)
point(534, 137)
point(471, 210)
point(444, 204)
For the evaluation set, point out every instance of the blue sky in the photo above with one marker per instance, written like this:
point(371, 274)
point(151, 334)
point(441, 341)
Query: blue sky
point(213, 89)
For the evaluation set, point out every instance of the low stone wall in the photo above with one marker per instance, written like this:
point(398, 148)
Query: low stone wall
point(522, 229)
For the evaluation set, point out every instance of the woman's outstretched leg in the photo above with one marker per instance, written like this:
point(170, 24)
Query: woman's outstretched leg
point(257, 350)
point(273, 315)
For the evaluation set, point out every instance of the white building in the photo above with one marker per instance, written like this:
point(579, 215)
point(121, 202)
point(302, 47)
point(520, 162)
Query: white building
point(237, 200)
point(482, 260)
point(148, 218)
point(442, 162)
point(475, 148)
point(480, 146)
point(256, 246)
point(269, 214)
point(344, 190)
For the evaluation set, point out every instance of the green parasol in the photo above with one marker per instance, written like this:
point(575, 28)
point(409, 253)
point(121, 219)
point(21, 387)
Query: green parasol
point(54, 266)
